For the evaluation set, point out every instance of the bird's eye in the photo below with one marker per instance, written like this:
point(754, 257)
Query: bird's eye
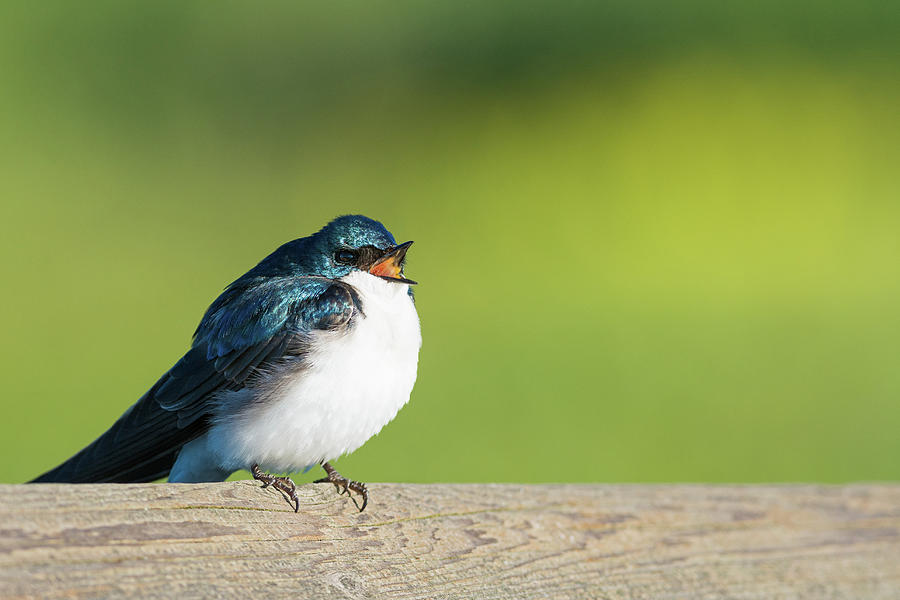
point(346, 257)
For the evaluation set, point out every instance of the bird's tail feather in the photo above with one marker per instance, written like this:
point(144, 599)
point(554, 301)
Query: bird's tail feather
point(141, 446)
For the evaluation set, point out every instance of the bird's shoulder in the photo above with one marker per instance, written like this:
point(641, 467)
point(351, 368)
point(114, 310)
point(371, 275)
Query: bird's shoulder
point(249, 312)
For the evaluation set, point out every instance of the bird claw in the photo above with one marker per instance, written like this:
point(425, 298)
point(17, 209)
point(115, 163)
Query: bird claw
point(285, 485)
point(342, 484)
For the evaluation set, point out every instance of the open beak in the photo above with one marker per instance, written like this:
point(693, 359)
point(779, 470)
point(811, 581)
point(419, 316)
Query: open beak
point(390, 266)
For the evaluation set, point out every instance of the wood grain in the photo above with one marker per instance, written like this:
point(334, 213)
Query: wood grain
point(230, 540)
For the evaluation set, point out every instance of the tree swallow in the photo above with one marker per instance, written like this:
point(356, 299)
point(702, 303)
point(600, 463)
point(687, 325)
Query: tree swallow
point(299, 361)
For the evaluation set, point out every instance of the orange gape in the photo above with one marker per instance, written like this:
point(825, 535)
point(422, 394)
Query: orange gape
point(387, 268)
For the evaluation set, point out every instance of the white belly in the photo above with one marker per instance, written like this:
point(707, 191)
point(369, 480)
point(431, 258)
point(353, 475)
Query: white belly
point(351, 385)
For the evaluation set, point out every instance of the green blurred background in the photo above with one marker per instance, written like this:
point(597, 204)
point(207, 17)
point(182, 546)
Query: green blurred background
point(656, 241)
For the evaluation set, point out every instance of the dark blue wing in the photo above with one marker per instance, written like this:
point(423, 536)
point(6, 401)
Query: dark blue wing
point(250, 324)
point(247, 327)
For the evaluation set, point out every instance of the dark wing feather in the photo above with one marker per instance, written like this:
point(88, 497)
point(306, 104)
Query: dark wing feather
point(247, 327)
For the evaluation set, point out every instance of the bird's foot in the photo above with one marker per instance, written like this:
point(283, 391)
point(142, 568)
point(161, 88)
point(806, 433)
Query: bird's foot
point(345, 485)
point(283, 484)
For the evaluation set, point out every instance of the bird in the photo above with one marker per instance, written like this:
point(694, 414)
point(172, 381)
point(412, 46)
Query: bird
point(299, 361)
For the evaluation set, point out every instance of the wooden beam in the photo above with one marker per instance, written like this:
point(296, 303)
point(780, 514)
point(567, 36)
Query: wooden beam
point(451, 541)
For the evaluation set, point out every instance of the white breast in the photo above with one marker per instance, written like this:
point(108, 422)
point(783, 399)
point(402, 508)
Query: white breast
point(352, 384)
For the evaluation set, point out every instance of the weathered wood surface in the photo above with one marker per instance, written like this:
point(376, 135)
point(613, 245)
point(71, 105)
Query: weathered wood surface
point(233, 540)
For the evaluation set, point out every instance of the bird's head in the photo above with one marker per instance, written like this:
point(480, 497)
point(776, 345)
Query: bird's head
point(355, 242)
point(347, 244)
